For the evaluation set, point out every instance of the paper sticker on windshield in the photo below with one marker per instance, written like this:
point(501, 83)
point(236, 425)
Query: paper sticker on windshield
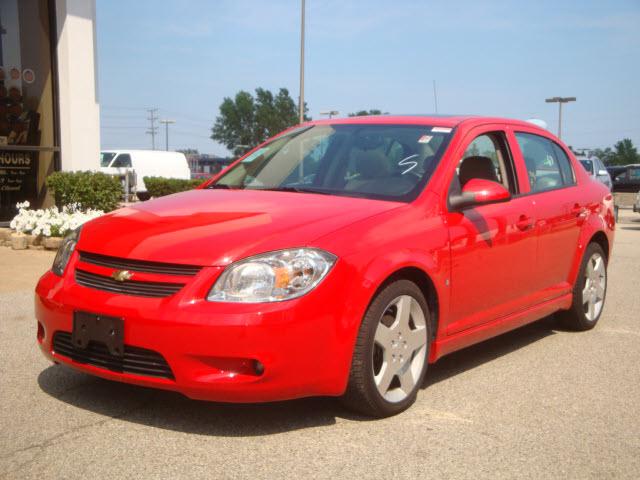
point(254, 155)
point(425, 138)
point(441, 129)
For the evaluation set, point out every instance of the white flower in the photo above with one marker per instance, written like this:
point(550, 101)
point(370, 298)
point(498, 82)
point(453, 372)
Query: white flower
point(51, 220)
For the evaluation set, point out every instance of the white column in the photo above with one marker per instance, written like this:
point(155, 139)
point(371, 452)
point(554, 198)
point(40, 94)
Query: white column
point(78, 84)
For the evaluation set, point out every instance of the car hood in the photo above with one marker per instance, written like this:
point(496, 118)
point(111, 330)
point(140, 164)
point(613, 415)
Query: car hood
point(216, 227)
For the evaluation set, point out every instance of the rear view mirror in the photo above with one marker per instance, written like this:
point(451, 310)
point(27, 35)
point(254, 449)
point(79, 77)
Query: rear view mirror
point(602, 172)
point(478, 191)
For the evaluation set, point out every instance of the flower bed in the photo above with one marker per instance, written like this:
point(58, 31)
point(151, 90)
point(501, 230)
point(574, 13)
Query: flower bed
point(44, 228)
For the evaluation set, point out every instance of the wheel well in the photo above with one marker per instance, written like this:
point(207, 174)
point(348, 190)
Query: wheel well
point(601, 239)
point(423, 281)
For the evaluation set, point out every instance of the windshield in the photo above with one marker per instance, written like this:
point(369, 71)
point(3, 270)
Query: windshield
point(389, 162)
point(588, 165)
point(105, 158)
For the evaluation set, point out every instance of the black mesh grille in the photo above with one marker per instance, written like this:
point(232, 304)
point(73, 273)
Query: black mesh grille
point(139, 265)
point(128, 287)
point(139, 361)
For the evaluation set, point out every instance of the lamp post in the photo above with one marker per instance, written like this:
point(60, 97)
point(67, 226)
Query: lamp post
point(166, 132)
point(301, 106)
point(560, 101)
point(330, 113)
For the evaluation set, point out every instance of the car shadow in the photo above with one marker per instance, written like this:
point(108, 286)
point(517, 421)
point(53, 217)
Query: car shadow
point(172, 411)
point(489, 350)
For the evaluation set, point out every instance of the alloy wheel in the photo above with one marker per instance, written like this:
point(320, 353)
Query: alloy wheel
point(595, 283)
point(400, 348)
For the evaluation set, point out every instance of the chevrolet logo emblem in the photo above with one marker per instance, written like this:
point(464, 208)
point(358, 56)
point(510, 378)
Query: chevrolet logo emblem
point(121, 275)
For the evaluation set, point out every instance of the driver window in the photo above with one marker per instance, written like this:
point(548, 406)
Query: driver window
point(487, 158)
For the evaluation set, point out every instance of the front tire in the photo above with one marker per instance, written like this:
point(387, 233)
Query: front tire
point(390, 357)
point(589, 291)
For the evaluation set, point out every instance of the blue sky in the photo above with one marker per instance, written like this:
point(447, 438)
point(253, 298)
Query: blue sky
point(487, 57)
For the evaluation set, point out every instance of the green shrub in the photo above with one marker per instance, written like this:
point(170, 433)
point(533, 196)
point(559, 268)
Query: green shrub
point(93, 190)
point(159, 186)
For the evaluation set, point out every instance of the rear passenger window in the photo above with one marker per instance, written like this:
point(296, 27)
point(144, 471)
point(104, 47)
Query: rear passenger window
point(548, 167)
point(568, 178)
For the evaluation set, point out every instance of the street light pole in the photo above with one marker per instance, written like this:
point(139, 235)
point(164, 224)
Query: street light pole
point(330, 113)
point(301, 106)
point(166, 132)
point(560, 101)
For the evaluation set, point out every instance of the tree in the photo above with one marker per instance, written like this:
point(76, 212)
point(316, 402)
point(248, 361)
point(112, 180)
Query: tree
point(362, 113)
point(188, 151)
point(606, 155)
point(625, 153)
point(245, 121)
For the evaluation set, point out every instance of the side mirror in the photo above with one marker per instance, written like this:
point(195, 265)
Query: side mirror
point(602, 173)
point(479, 192)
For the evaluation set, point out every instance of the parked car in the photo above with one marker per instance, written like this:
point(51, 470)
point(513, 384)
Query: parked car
point(597, 170)
point(625, 178)
point(145, 163)
point(626, 184)
point(339, 258)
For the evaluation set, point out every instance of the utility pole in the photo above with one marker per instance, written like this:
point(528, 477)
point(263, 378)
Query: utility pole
point(435, 96)
point(560, 101)
point(166, 132)
point(152, 126)
point(301, 106)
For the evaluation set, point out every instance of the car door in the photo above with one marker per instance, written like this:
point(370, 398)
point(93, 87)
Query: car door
point(493, 247)
point(560, 209)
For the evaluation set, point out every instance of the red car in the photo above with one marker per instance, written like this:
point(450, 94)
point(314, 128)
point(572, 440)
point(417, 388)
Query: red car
point(339, 258)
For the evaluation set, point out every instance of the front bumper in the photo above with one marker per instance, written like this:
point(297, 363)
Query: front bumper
point(304, 344)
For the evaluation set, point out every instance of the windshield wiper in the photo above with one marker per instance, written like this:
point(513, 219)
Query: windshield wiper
point(222, 186)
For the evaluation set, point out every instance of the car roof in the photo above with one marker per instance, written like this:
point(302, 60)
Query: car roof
point(425, 119)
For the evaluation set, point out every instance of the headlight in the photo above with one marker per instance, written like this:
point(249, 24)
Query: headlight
point(272, 277)
point(65, 251)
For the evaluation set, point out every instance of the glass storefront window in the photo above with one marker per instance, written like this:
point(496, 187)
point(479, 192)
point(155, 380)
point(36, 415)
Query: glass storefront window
point(27, 132)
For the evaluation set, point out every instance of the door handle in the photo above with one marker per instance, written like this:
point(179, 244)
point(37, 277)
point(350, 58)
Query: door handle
point(578, 209)
point(524, 223)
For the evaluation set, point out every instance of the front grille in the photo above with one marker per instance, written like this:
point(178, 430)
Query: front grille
point(139, 361)
point(128, 287)
point(139, 265)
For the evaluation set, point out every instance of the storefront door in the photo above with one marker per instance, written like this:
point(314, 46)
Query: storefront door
point(28, 141)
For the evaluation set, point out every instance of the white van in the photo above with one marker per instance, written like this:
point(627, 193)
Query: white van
point(145, 163)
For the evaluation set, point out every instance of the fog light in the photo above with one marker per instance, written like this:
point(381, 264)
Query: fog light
point(258, 367)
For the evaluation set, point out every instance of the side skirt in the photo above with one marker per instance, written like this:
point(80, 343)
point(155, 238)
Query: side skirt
point(465, 338)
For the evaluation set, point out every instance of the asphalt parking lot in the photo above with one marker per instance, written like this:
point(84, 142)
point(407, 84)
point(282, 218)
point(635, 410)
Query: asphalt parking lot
point(538, 402)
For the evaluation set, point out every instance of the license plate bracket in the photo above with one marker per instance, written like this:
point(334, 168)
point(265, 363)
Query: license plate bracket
point(91, 327)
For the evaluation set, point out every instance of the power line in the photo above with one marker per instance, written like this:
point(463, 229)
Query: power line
point(188, 115)
point(122, 126)
point(115, 107)
point(152, 128)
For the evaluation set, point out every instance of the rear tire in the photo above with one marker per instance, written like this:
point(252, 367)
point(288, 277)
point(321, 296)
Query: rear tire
point(390, 357)
point(589, 291)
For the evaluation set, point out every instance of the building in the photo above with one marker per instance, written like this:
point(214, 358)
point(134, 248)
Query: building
point(205, 166)
point(49, 109)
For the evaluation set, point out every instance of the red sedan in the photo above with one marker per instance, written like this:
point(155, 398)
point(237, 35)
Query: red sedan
point(338, 258)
